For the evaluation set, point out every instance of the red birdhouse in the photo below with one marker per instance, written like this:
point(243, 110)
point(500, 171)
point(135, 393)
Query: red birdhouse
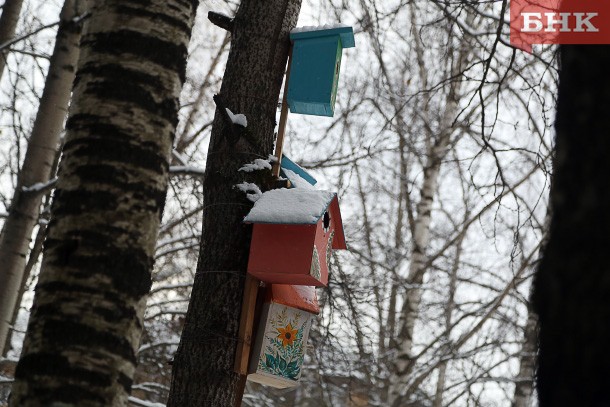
point(294, 232)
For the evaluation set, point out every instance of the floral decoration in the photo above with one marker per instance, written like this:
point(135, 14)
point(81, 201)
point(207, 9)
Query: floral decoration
point(284, 350)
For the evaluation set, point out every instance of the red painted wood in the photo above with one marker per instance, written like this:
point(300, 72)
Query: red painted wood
point(282, 254)
point(335, 217)
point(301, 297)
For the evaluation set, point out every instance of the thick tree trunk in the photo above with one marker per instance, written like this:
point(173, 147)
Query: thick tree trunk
point(86, 319)
point(203, 366)
point(8, 24)
point(572, 284)
point(37, 166)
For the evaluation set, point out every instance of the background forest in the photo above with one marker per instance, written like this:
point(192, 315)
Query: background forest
point(440, 151)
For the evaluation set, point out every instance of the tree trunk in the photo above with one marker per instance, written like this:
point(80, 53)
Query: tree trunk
point(403, 342)
point(572, 283)
point(8, 24)
point(449, 308)
point(203, 366)
point(33, 259)
point(437, 148)
point(524, 385)
point(86, 320)
point(37, 166)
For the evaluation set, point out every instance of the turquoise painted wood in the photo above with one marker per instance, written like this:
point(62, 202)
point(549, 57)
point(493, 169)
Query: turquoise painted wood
point(314, 74)
point(288, 164)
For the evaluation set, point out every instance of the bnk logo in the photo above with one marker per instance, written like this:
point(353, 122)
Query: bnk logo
point(559, 22)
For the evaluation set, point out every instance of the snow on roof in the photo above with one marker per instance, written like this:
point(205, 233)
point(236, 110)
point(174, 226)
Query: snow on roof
point(317, 28)
point(290, 206)
point(345, 32)
point(288, 164)
point(296, 180)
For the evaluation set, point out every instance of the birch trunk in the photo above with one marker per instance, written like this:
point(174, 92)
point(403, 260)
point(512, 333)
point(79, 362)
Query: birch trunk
point(449, 307)
point(421, 237)
point(203, 365)
point(436, 151)
point(38, 163)
point(86, 321)
point(8, 24)
point(524, 385)
point(572, 283)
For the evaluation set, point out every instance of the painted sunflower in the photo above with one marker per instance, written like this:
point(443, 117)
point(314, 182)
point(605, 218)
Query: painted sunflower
point(287, 335)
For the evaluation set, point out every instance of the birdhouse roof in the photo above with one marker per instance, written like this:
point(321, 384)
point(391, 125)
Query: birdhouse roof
point(290, 206)
point(302, 297)
point(297, 175)
point(345, 32)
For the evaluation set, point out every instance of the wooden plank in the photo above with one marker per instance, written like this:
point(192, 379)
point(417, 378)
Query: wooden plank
point(279, 144)
point(246, 323)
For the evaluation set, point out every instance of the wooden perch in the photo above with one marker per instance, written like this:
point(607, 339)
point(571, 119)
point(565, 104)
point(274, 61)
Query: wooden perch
point(237, 131)
point(233, 133)
point(223, 109)
point(221, 20)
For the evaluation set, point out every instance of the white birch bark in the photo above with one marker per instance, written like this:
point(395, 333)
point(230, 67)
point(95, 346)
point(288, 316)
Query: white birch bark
point(524, 382)
point(420, 240)
point(436, 151)
point(36, 169)
point(442, 369)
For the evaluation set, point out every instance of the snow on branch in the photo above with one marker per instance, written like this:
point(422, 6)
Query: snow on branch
point(239, 118)
point(40, 186)
point(259, 164)
point(252, 191)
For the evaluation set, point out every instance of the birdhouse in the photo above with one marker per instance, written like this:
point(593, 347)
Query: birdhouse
point(279, 348)
point(314, 71)
point(294, 233)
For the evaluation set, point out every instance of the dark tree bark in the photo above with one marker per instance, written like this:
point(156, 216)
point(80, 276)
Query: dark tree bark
point(203, 366)
point(86, 321)
point(572, 287)
point(8, 24)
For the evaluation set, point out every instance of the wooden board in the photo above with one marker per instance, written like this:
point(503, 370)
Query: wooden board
point(279, 144)
point(246, 322)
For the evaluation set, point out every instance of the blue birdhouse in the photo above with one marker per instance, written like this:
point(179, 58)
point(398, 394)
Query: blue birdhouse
point(314, 73)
